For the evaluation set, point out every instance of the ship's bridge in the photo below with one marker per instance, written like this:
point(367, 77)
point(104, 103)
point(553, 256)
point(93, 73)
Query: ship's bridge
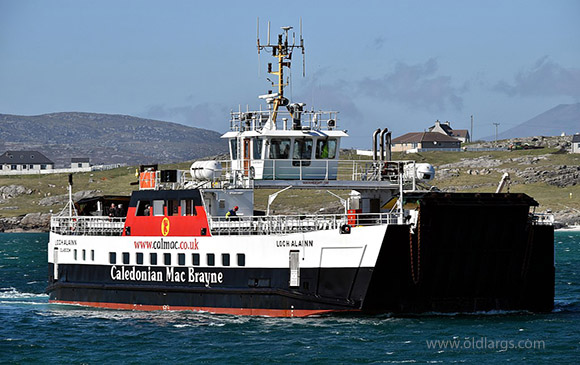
point(298, 146)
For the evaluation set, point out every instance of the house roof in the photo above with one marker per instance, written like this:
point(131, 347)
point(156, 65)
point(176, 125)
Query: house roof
point(24, 157)
point(463, 133)
point(446, 127)
point(417, 137)
point(79, 159)
point(576, 138)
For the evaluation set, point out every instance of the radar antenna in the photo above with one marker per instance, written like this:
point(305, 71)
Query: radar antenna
point(283, 52)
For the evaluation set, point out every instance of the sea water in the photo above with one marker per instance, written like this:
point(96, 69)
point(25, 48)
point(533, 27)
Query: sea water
point(34, 331)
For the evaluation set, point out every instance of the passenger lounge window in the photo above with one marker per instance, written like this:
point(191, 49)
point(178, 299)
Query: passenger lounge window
point(172, 207)
point(126, 258)
point(210, 259)
point(112, 258)
point(187, 207)
point(167, 258)
point(153, 258)
point(181, 259)
point(195, 259)
point(143, 208)
point(158, 207)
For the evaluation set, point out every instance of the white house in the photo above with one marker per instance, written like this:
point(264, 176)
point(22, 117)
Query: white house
point(576, 143)
point(25, 161)
point(79, 162)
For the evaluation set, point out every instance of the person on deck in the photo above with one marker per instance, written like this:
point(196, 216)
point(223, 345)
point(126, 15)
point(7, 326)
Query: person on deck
point(231, 214)
point(113, 211)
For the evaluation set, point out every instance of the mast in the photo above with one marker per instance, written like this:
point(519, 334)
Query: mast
point(283, 52)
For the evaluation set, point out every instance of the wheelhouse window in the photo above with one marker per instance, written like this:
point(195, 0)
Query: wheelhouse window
point(326, 148)
point(302, 152)
point(258, 148)
point(234, 148)
point(279, 148)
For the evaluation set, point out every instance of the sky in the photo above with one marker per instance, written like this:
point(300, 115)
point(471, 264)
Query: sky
point(395, 64)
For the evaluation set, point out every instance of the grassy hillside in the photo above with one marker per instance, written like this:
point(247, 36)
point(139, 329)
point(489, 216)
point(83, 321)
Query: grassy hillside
point(467, 176)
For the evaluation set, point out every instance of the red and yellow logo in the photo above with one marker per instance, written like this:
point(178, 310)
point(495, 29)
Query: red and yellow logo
point(165, 226)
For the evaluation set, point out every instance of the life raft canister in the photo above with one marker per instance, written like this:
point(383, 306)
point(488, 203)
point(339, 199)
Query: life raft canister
point(147, 180)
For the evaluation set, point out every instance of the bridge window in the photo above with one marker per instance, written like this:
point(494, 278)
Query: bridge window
point(234, 148)
point(279, 148)
point(302, 149)
point(257, 148)
point(326, 148)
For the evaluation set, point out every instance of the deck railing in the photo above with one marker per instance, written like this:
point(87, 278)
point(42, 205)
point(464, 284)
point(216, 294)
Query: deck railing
point(258, 225)
point(87, 226)
point(286, 224)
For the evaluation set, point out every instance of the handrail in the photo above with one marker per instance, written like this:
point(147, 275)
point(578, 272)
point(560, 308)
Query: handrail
point(286, 224)
point(87, 225)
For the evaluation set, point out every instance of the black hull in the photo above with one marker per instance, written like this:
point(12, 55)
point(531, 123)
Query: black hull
point(469, 253)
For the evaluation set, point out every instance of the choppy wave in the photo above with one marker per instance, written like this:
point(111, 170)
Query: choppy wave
point(13, 293)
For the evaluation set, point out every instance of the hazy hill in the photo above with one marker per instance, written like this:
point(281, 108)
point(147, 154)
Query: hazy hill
point(107, 138)
point(564, 118)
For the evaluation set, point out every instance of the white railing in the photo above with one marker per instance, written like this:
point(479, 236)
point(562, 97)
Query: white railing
point(240, 174)
point(543, 219)
point(286, 224)
point(257, 119)
point(87, 226)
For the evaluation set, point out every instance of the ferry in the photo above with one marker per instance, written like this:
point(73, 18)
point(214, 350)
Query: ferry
point(193, 240)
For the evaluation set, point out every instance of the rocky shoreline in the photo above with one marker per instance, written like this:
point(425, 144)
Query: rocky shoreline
point(31, 222)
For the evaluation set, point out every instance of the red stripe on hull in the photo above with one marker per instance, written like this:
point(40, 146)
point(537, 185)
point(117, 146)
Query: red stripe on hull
point(216, 310)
